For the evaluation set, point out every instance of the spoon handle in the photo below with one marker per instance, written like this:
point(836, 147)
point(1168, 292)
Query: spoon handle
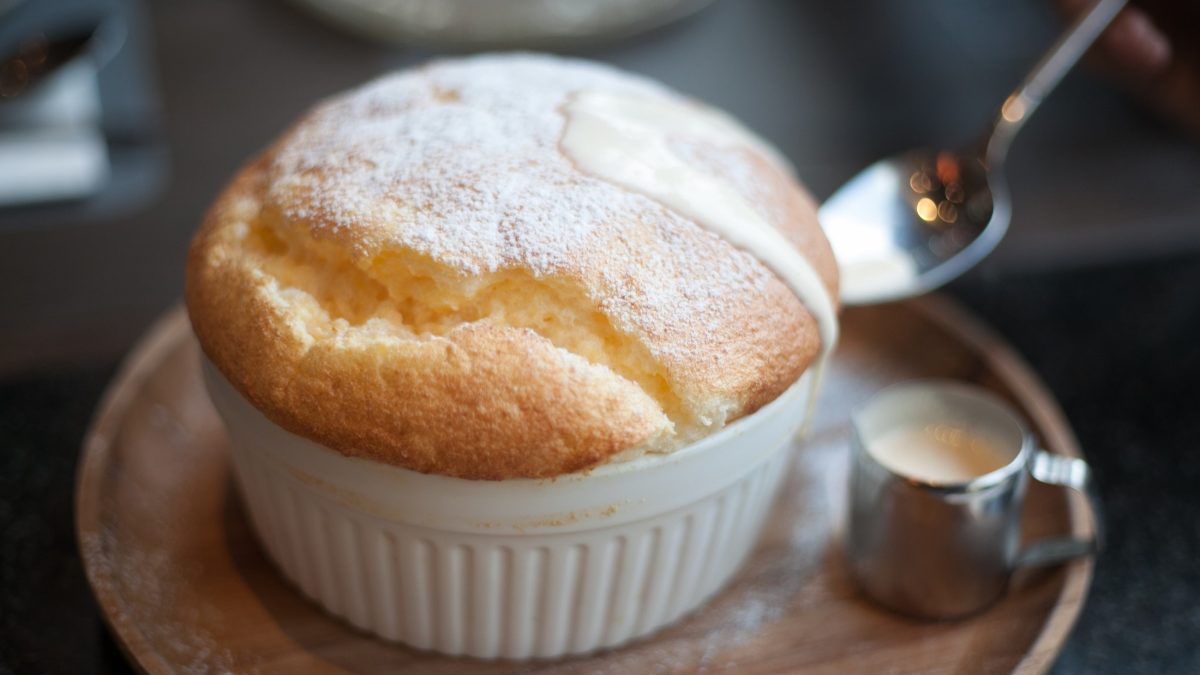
point(1045, 76)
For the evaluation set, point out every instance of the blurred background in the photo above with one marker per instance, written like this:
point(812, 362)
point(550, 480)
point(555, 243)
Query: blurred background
point(120, 120)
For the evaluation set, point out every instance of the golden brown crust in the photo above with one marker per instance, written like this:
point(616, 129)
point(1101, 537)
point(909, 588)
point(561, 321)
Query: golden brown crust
point(528, 354)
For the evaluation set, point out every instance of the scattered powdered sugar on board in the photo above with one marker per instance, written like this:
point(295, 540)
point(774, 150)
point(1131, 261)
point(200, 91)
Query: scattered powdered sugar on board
point(146, 580)
point(459, 161)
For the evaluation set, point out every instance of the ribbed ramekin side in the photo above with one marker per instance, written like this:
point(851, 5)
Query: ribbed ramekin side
point(503, 595)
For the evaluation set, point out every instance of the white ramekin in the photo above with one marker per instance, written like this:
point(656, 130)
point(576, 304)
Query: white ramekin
point(517, 568)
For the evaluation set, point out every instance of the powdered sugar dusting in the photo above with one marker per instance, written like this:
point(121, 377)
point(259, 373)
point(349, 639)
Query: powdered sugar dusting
point(464, 153)
point(460, 161)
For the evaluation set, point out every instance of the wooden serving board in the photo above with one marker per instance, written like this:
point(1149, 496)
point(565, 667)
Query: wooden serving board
point(185, 587)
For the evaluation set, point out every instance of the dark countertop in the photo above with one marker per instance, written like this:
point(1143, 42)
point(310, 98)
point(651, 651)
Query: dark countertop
point(1117, 346)
point(1096, 185)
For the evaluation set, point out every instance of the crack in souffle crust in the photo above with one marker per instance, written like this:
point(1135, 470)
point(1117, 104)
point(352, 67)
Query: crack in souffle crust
point(416, 274)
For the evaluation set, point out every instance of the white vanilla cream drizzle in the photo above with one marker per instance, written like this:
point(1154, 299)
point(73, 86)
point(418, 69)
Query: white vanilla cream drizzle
point(624, 139)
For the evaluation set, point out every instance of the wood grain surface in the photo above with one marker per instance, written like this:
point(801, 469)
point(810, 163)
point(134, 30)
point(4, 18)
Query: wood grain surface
point(185, 587)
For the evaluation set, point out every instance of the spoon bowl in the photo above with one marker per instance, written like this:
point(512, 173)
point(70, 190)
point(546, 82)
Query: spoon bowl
point(910, 223)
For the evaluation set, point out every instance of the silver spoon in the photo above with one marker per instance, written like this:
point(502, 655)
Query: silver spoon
point(914, 221)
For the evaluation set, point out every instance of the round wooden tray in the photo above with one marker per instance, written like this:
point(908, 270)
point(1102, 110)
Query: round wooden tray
point(185, 587)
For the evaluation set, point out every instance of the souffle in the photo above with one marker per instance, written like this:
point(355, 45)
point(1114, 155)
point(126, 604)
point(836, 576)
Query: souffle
point(512, 266)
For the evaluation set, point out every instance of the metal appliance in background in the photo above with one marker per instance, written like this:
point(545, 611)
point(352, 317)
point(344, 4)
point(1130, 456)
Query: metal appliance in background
point(502, 23)
point(79, 133)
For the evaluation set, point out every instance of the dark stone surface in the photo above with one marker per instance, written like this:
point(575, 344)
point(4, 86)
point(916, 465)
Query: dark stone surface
point(1117, 346)
point(48, 619)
